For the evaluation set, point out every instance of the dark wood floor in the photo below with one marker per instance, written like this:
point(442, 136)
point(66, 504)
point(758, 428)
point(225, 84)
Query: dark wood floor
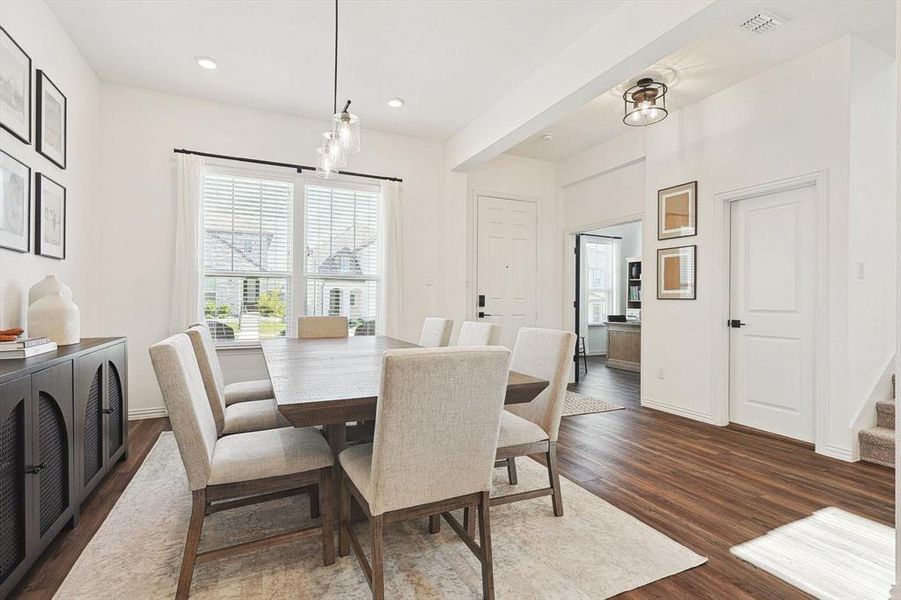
point(706, 487)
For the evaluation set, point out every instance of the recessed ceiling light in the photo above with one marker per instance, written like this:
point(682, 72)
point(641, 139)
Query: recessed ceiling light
point(206, 62)
point(396, 102)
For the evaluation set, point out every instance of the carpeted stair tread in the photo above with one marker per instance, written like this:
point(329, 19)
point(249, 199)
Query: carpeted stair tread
point(877, 445)
point(885, 414)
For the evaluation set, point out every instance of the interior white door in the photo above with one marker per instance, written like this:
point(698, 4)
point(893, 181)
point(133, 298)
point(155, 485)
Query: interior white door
point(507, 264)
point(772, 298)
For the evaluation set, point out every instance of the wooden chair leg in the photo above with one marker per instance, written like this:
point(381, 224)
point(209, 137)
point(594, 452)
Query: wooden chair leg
point(344, 518)
point(326, 496)
point(315, 492)
point(434, 523)
point(554, 476)
point(511, 470)
point(378, 567)
point(469, 521)
point(485, 546)
point(192, 541)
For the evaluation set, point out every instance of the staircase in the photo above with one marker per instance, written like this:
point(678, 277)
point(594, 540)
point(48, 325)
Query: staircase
point(877, 444)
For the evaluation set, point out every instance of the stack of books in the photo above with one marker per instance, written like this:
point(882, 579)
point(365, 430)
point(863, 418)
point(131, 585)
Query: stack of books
point(26, 348)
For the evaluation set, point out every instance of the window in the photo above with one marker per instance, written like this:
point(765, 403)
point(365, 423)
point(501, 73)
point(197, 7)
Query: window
point(247, 271)
point(341, 262)
point(599, 281)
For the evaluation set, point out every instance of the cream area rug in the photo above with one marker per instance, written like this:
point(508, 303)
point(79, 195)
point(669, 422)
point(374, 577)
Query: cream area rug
point(579, 404)
point(593, 551)
point(832, 554)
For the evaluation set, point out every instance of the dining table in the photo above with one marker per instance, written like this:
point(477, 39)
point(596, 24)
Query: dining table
point(335, 381)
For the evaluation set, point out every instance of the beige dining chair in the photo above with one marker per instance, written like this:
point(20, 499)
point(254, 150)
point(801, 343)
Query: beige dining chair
point(474, 333)
point(241, 469)
point(436, 332)
point(321, 327)
point(247, 415)
point(415, 468)
point(238, 391)
point(532, 428)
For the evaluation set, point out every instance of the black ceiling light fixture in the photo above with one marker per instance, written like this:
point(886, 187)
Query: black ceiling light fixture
point(645, 103)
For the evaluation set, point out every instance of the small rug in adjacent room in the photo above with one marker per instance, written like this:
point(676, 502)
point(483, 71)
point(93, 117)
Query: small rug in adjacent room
point(579, 404)
point(832, 555)
point(594, 551)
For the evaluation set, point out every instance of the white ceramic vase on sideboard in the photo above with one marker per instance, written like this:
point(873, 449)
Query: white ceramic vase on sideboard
point(48, 285)
point(53, 314)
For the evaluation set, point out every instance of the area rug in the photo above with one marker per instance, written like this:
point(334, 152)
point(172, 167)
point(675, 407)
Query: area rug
point(579, 404)
point(831, 554)
point(593, 551)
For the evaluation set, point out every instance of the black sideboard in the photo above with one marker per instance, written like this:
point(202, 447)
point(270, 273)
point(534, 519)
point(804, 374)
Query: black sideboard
point(63, 425)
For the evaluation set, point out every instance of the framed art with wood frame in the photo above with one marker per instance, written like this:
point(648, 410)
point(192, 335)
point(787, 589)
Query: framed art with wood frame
point(15, 204)
point(15, 88)
point(51, 123)
point(677, 211)
point(50, 217)
point(677, 273)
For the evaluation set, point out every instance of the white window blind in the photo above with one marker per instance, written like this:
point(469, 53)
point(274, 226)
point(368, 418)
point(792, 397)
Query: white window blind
point(247, 223)
point(341, 263)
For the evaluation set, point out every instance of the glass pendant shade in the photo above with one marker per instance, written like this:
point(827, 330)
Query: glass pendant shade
point(347, 130)
point(334, 149)
point(325, 166)
point(645, 103)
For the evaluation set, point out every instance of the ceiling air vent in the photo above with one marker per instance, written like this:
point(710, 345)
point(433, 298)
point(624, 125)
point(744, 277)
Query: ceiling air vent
point(762, 23)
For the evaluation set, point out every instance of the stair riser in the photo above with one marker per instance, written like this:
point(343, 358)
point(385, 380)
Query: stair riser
point(878, 455)
point(885, 415)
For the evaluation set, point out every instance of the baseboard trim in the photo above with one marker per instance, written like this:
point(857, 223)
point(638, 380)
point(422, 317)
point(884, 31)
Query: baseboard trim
point(147, 413)
point(843, 454)
point(681, 411)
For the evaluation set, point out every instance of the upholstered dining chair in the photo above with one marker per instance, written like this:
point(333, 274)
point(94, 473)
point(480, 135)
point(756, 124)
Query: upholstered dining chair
point(238, 391)
point(247, 415)
point(436, 427)
point(532, 428)
point(474, 333)
point(241, 469)
point(321, 327)
point(436, 332)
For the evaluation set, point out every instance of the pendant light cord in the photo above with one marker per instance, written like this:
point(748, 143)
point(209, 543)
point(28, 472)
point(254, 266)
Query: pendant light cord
point(335, 91)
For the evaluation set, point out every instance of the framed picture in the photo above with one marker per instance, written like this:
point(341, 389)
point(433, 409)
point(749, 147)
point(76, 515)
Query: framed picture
point(15, 204)
point(51, 121)
point(50, 217)
point(677, 209)
point(15, 88)
point(677, 273)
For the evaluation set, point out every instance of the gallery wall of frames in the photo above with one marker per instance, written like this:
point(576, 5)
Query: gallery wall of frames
point(33, 109)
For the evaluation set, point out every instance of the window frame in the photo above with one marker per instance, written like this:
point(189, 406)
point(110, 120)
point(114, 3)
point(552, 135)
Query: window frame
point(611, 292)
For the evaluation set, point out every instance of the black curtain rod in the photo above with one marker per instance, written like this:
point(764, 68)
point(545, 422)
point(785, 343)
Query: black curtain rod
point(272, 163)
point(609, 237)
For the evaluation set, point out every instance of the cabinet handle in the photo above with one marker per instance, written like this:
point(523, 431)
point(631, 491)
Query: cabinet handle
point(36, 469)
point(106, 411)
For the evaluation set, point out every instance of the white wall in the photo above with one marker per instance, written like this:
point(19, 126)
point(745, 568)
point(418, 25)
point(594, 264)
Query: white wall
point(140, 128)
point(36, 30)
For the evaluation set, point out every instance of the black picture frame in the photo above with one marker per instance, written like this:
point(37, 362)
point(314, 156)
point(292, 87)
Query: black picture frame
point(16, 134)
point(27, 247)
point(42, 80)
point(662, 195)
point(39, 185)
point(694, 282)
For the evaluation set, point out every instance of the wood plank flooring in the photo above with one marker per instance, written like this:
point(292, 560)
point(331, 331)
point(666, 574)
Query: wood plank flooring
point(706, 487)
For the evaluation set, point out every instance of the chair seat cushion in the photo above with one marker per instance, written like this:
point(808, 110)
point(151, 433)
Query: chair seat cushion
point(357, 464)
point(254, 415)
point(269, 453)
point(515, 431)
point(247, 391)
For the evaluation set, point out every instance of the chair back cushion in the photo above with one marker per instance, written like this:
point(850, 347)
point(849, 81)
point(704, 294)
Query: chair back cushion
point(435, 332)
point(186, 402)
point(321, 327)
point(210, 372)
point(436, 424)
point(473, 333)
point(548, 354)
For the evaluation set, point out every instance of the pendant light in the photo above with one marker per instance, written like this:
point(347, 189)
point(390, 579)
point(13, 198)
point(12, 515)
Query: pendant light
point(343, 137)
point(645, 103)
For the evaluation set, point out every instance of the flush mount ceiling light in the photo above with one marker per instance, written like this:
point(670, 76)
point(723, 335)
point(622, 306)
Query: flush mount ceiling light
point(206, 62)
point(343, 137)
point(645, 103)
point(396, 102)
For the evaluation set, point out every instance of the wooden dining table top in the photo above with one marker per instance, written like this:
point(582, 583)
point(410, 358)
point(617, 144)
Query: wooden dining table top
point(336, 380)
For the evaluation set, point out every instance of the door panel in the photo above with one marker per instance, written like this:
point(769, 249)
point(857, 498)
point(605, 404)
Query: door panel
point(115, 407)
point(90, 440)
point(15, 488)
point(771, 355)
point(507, 263)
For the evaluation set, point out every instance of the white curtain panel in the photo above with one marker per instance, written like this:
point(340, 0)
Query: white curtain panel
point(186, 307)
point(391, 300)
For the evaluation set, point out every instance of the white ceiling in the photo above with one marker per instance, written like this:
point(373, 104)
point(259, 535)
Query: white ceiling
point(449, 60)
point(719, 60)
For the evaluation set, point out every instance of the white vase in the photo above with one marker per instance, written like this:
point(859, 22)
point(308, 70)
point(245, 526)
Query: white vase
point(56, 317)
point(48, 285)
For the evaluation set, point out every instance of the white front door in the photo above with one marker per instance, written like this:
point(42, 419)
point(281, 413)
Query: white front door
point(506, 263)
point(772, 297)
